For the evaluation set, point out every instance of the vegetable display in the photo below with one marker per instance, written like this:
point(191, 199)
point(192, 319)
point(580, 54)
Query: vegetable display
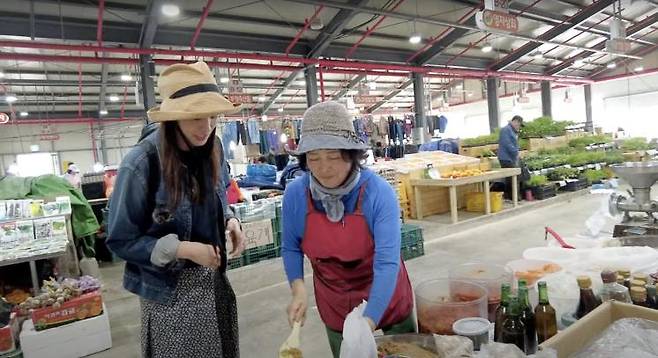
point(56, 293)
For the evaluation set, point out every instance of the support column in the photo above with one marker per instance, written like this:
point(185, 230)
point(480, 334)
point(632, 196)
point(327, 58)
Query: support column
point(546, 104)
point(146, 73)
point(589, 123)
point(493, 104)
point(311, 76)
point(419, 108)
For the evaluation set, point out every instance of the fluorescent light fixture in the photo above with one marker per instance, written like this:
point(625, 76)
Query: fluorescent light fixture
point(170, 10)
point(10, 98)
point(395, 108)
point(223, 79)
point(415, 38)
point(469, 94)
point(24, 114)
point(280, 109)
point(2, 74)
point(126, 78)
point(487, 47)
point(612, 65)
point(538, 55)
point(34, 148)
point(372, 85)
point(638, 69)
point(263, 118)
point(102, 112)
point(98, 167)
point(284, 138)
point(262, 98)
point(114, 98)
point(459, 86)
point(578, 62)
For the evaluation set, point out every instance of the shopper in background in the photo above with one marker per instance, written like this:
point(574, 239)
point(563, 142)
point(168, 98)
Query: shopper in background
point(508, 149)
point(168, 216)
point(351, 231)
point(72, 175)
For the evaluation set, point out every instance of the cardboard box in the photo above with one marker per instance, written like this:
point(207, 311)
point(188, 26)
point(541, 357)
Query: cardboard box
point(88, 305)
point(8, 335)
point(77, 339)
point(589, 328)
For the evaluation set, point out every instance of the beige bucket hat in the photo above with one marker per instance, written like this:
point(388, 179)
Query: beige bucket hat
point(189, 91)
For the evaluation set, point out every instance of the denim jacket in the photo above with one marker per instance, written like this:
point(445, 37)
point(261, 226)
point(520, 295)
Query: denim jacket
point(135, 225)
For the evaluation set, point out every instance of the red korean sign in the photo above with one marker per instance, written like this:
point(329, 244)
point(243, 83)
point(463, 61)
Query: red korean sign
point(240, 98)
point(47, 137)
point(366, 99)
point(4, 118)
point(496, 21)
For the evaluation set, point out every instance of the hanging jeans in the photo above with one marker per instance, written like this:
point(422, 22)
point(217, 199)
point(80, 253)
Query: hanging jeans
point(229, 134)
point(253, 129)
point(264, 145)
point(242, 133)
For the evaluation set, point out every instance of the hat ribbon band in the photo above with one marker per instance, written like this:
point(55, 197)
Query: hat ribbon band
point(200, 88)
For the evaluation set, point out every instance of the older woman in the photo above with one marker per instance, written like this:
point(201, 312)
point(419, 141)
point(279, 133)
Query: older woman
point(346, 220)
point(168, 215)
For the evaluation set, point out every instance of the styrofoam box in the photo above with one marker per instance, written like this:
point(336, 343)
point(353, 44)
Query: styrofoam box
point(77, 339)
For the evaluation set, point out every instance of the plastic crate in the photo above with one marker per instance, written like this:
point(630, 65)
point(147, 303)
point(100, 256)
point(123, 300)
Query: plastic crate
point(475, 202)
point(409, 252)
point(261, 253)
point(576, 185)
point(256, 211)
point(235, 263)
point(411, 234)
point(544, 192)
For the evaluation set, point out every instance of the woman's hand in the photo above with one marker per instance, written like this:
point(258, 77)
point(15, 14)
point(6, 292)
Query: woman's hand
point(237, 237)
point(202, 254)
point(299, 303)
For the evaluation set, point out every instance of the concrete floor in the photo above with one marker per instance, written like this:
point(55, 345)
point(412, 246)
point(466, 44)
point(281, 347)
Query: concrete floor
point(263, 293)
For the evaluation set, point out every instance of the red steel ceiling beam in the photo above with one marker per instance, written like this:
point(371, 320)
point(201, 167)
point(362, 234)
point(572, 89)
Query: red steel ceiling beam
point(307, 23)
point(199, 25)
point(639, 52)
point(99, 23)
point(370, 30)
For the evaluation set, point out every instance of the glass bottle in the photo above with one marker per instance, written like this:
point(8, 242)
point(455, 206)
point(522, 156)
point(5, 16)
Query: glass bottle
point(501, 310)
point(528, 319)
point(652, 300)
point(626, 274)
point(588, 301)
point(639, 296)
point(513, 331)
point(545, 317)
point(612, 289)
point(620, 279)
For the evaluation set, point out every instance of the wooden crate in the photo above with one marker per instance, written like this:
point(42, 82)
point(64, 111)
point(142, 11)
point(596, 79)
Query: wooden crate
point(535, 144)
point(476, 151)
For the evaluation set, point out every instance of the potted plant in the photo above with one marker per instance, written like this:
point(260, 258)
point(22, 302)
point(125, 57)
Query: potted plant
point(540, 187)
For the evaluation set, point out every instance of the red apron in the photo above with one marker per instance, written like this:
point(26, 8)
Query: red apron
point(342, 257)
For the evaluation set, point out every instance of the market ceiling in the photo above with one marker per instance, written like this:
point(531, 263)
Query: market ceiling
point(68, 58)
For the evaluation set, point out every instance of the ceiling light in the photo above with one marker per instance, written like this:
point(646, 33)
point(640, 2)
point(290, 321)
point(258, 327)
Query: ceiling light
point(283, 138)
point(372, 85)
point(538, 55)
point(170, 10)
point(24, 114)
point(612, 65)
point(2, 74)
point(223, 79)
point(114, 98)
point(262, 98)
point(10, 98)
point(317, 24)
point(415, 38)
point(487, 47)
point(263, 118)
point(395, 108)
point(638, 69)
point(34, 148)
point(459, 86)
point(126, 78)
point(98, 167)
point(280, 109)
point(102, 112)
point(578, 62)
point(469, 94)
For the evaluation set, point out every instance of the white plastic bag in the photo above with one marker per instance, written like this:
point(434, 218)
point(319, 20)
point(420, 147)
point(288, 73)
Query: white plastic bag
point(358, 340)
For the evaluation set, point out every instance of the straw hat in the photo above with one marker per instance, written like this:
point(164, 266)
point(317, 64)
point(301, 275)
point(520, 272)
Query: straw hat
point(189, 92)
point(328, 125)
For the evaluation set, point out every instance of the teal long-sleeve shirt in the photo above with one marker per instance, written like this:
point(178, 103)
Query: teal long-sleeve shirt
point(382, 212)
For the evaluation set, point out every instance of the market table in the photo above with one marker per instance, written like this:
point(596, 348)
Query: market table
point(452, 185)
point(32, 259)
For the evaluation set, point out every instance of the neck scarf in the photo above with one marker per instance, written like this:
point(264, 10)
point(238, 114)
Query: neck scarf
point(331, 198)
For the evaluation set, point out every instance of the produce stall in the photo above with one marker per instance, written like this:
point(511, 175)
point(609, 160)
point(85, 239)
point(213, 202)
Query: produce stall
point(453, 183)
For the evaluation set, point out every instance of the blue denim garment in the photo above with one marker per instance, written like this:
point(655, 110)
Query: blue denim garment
point(229, 134)
point(135, 225)
point(253, 128)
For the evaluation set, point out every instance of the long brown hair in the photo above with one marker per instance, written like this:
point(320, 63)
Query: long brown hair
point(179, 180)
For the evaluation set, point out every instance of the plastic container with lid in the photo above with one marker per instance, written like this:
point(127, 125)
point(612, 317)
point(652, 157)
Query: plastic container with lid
point(490, 276)
point(474, 328)
point(441, 302)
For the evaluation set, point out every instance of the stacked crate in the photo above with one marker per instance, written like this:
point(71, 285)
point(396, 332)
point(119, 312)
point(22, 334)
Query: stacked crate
point(260, 220)
point(412, 244)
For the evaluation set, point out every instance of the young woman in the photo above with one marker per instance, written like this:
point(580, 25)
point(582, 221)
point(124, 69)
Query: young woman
point(168, 216)
point(351, 231)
